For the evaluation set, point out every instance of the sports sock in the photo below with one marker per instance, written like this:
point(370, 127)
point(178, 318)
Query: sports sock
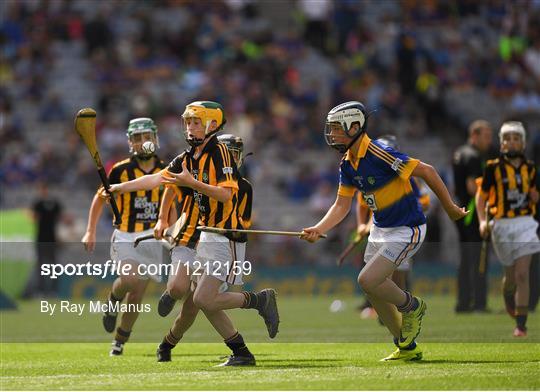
point(121, 335)
point(411, 346)
point(112, 298)
point(410, 304)
point(521, 317)
point(169, 341)
point(251, 300)
point(238, 346)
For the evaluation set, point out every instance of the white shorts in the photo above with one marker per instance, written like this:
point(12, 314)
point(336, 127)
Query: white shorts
point(181, 257)
point(514, 238)
point(220, 257)
point(147, 252)
point(397, 244)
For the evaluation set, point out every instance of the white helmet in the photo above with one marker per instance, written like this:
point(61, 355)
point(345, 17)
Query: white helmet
point(344, 116)
point(513, 127)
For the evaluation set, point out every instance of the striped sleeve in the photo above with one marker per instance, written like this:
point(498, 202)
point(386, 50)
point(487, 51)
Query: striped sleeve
point(226, 171)
point(400, 163)
point(246, 199)
point(487, 181)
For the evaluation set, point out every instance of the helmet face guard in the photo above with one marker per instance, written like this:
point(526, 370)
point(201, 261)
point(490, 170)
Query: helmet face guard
point(236, 146)
point(207, 112)
point(141, 130)
point(339, 132)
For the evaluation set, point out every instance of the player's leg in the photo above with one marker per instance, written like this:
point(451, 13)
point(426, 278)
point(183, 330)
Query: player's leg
point(208, 289)
point(509, 290)
point(178, 285)
point(216, 257)
point(182, 323)
point(120, 287)
point(521, 271)
point(123, 332)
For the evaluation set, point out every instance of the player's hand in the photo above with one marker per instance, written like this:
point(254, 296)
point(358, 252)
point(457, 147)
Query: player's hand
point(159, 228)
point(534, 196)
point(311, 234)
point(484, 229)
point(113, 189)
point(362, 230)
point(89, 241)
point(456, 213)
point(181, 179)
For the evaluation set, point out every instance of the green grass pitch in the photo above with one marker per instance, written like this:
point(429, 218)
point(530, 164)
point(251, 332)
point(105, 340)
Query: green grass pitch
point(315, 349)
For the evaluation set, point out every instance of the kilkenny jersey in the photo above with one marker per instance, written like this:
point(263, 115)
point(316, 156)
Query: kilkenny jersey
point(507, 188)
point(215, 166)
point(382, 175)
point(139, 210)
point(245, 199)
point(190, 235)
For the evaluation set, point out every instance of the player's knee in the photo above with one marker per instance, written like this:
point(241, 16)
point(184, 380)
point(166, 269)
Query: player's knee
point(365, 283)
point(202, 301)
point(176, 291)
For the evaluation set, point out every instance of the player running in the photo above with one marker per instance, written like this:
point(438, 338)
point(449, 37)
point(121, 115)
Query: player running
point(364, 220)
point(210, 172)
point(508, 186)
point(382, 175)
point(139, 211)
point(185, 319)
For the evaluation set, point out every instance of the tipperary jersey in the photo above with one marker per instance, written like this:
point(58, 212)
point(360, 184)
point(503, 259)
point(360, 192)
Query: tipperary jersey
point(140, 209)
point(382, 175)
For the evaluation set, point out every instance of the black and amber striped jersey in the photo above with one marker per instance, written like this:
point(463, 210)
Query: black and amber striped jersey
point(190, 235)
point(215, 166)
point(245, 200)
point(139, 210)
point(507, 188)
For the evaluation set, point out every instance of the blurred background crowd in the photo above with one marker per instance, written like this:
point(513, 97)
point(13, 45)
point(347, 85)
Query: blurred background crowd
point(428, 68)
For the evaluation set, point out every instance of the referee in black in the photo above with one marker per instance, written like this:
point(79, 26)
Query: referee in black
point(468, 164)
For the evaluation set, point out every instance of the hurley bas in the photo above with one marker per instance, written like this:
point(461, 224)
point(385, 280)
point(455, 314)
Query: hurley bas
point(93, 307)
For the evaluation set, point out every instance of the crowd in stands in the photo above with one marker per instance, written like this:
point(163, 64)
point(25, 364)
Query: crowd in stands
point(276, 80)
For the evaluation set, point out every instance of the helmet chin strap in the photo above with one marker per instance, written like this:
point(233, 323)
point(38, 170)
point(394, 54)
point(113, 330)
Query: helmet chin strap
point(513, 154)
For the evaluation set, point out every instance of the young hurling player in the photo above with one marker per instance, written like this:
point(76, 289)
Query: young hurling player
point(245, 194)
point(365, 223)
point(139, 212)
point(209, 170)
point(508, 186)
point(383, 177)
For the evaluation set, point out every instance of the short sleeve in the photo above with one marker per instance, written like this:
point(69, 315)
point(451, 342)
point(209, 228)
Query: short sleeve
point(175, 166)
point(396, 161)
point(488, 180)
point(346, 187)
point(226, 171)
point(114, 175)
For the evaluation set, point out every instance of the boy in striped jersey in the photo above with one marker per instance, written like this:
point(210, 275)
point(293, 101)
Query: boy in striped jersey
point(382, 174)
point(139, 210)
point(188, 313)
point(508, 186)
point(208, 169)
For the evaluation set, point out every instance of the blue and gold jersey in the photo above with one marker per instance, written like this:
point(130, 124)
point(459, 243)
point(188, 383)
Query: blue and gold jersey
point(382, 174)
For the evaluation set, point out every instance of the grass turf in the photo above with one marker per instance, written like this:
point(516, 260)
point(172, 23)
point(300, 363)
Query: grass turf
point(461, 352)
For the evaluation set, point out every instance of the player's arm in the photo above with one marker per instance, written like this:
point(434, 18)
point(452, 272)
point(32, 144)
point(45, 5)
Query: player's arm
point(221, 193)
point(164, 217)
point(333, 217)
point(434, 181)
point(363, 218)
point(89, 238)
point(144, 183)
